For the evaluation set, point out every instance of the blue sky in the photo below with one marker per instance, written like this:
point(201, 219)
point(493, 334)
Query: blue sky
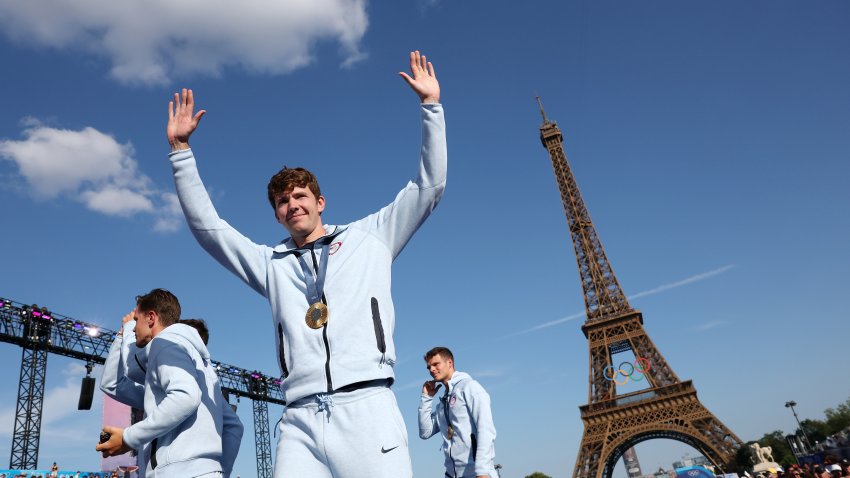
point(710, 141)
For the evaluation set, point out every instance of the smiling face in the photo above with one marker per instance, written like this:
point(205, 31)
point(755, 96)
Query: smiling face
point(299, 211)
point(441, 369)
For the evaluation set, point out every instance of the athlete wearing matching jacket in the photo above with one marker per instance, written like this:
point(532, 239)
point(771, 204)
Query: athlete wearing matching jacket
point(341, 420)
point(181, 396)
point(463, 418)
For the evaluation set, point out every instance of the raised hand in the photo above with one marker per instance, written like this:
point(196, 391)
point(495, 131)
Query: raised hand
point(430, 387)
point(182, 120)
point(424, 81)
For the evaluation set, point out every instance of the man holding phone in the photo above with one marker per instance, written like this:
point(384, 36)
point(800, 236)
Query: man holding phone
point(462, 415)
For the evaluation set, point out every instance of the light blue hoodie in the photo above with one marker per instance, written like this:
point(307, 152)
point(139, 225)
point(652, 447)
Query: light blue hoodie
point(183, 404)
point(357, 343)
point(471, 449)
point(123, 379)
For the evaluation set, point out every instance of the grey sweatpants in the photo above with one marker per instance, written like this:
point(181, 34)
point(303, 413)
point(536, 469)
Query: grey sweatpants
point(357, 434)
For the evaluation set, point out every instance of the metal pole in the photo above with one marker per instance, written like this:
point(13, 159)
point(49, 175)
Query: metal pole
point(791, 404)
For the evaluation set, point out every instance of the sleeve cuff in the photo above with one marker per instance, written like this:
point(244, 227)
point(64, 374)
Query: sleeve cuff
point(180, 154)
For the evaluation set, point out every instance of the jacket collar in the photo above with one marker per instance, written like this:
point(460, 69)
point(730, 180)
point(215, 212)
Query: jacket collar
point(457, 377)
point(288, 245)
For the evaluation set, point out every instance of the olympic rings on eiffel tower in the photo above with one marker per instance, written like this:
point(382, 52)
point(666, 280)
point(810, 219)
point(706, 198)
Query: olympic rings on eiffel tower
point(640, 366)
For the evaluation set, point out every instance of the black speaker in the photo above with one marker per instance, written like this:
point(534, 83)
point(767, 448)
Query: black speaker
point(86, 394)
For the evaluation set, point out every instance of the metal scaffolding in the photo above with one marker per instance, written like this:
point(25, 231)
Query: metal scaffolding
point(27, 430)
point(262, 439)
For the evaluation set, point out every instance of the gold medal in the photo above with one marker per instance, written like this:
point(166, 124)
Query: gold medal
point(317, 315)
point(450, 433)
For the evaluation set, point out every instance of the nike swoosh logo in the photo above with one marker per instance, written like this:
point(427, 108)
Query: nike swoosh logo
point(387, 451)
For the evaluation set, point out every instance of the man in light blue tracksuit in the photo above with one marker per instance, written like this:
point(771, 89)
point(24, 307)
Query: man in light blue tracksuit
point(123, 380)
point(189, 429)
point(462, 416)
point(329, 291)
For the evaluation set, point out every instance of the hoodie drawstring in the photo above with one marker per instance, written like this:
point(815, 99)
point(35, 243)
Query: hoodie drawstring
point(326, 402)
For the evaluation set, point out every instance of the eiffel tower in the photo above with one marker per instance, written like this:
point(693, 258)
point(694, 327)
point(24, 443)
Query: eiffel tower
point(668, 407)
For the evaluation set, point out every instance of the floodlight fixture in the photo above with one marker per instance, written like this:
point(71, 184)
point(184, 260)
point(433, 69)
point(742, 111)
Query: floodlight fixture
point(791, 404)
point(92, 331)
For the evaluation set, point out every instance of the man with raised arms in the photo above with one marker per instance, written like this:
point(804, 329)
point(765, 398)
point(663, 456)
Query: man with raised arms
point(329, 291)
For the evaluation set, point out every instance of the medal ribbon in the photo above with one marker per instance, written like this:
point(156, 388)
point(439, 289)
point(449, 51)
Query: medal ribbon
point(315, 284)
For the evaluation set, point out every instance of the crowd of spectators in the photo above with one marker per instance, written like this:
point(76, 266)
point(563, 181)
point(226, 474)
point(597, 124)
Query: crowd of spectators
point(832, 467)
point(56, 473)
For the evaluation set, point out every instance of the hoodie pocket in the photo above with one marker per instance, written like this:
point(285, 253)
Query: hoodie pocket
point(281, 352)
point(153, 454)
point(379, 327)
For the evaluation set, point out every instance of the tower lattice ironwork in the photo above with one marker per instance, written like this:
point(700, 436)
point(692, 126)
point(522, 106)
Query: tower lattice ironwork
point(27, 432)
point(261, 437)
point(667, 407)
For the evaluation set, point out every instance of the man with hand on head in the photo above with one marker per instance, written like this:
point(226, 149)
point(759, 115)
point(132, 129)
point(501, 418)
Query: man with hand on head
point(462, 416)
point(329, 291)
point(123, 379)
point(188, 429)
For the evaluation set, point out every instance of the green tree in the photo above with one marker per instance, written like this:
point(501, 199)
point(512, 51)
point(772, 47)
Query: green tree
point(817, 430)
point(537, 474)
point(744, 459)
point(838, 418)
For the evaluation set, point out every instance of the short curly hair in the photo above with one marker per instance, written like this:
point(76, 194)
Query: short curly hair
point(288, 179)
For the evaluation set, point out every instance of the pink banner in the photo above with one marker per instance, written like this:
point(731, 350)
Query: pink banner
point(116, 414)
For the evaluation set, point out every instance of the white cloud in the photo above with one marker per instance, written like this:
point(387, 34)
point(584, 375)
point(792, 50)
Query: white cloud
point(148, 41)
point(90, 167)
point(56, 161)
point(116, 201)
point(689, 280)
point(710, 325)
point(172, 214)
point(653, 291)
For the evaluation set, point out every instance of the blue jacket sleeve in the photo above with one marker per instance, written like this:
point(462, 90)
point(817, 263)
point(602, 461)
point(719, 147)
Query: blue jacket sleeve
point(231, 437)
point(114, 382)
point(395, 223)
point(241, 256)
point(482, 420)
point(172, 368)
point(428, 425)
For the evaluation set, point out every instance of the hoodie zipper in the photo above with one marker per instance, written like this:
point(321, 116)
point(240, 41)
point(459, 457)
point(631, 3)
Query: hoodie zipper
point(449, 425)
point(324, 327)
